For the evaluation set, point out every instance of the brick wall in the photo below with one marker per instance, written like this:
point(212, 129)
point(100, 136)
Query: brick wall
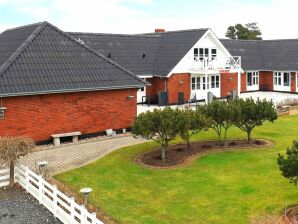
point(293, 82)
point(229, 82)
point(243, 82)
point(266, 80)
point(178, 83)
point(157, 84)
point(88, 112)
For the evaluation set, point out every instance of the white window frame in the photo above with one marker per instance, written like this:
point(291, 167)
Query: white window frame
point(255, 80)
point(214, 84)
point(195, 83)
point(279, 81)
point(202, 55)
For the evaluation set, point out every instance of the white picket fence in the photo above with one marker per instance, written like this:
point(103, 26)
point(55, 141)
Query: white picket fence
point(4, 176)
point(62, 207)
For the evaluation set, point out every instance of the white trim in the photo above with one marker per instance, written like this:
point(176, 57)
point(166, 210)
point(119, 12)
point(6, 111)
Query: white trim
point(282, 86)
point(253, 86)
point(145, 76)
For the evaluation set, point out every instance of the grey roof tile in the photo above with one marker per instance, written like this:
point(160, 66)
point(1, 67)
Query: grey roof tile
point(42, 59)
point(162, 50)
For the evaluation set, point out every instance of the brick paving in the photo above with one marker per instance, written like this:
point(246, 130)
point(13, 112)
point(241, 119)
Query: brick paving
point(69, 156)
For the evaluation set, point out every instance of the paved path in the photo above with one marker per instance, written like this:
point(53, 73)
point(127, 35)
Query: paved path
point(70, 156)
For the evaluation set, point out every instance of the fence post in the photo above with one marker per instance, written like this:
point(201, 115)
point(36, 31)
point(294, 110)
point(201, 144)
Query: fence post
point(27, 184)
point(83, 214)
point(55, 205)
point(72, 209)
point(40, 188)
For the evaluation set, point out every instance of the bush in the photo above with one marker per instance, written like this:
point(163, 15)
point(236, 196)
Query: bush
point(11, 149)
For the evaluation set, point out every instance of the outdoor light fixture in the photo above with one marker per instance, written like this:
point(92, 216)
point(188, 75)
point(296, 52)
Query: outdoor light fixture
point(86, 191)
point(2, 112)
point(130, 97)
point(42, 167)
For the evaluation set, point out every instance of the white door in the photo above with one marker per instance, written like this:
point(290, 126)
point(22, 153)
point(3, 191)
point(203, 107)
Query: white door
point(141, 94)
point(200, 85)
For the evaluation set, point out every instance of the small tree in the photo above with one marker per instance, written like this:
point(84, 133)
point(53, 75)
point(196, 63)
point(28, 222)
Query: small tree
point(159, 125)
point(11, 149)
point(254, 113)
point(289, 165)
point(222, 114)
point(191, 122)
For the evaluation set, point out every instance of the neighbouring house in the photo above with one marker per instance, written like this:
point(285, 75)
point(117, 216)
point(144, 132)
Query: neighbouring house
point(51, 83)
point(269, 65)
point(179, 65)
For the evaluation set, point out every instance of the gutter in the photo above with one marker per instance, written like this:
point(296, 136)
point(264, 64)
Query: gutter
point(72, 90)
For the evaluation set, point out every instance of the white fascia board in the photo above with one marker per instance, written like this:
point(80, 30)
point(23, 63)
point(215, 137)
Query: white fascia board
point(145, 76)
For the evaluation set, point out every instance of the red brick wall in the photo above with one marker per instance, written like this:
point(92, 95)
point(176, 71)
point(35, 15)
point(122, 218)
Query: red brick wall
point(229, 82)
point(293, 82)
point(178, 83)
point(88, 112)
point(266, 80)
point(243, 82)
point(157, 84)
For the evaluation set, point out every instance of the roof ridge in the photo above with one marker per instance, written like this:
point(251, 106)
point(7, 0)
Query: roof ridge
point(112, 34)
point(179, 31)
point(96, 53)
point(25, 26)
point(22, 47)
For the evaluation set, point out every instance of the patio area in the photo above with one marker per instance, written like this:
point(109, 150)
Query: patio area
point(276, 97)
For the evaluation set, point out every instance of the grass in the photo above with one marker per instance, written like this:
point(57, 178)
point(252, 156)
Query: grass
point(221, 187)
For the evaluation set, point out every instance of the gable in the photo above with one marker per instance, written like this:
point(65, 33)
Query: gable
point(210, 41)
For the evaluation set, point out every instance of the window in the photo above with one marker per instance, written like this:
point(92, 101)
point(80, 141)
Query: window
point(204, 83)
point(201, 53)
point(198, 82)
point(252, 78)
point(213, 53)
point(2, 111)
point(277, 78)
point(215, 81)
point(193, 83)
point(249, 79)
point(196, 53)
point(286, 79)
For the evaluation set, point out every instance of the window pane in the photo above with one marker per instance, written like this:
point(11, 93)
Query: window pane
point(196, 51)
point(206, 51)
point(213, 51)
point(193, 83)
point(204, 83)
point(249, 78)
point(198, 82)
point(286, 79)
point(212, 81)
point(217, 81)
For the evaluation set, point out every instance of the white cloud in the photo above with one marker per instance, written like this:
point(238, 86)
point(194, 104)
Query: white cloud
point(276, 18)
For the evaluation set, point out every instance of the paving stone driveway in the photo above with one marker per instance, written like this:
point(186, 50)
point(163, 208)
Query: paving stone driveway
point(70, 156)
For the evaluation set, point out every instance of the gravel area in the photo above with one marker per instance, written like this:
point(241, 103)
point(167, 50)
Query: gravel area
point(18, 207)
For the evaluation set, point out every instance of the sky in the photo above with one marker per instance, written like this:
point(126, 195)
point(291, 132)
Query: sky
point(276, 18)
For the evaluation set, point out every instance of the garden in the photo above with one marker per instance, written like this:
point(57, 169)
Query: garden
point(232, 176)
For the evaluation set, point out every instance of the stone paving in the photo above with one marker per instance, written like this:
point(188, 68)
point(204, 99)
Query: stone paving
point(73, 155)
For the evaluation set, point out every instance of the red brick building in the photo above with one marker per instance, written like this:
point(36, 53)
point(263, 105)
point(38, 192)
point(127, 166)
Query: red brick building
point(50, 83)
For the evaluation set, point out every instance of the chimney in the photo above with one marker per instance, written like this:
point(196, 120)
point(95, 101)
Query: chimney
point(160, 30)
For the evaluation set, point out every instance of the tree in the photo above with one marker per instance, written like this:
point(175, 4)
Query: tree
point(254, 113)
point(158, 125)
point(222, 115)
point(191, 122)
point(250, 31)
point(11, 149)
point(289, 165)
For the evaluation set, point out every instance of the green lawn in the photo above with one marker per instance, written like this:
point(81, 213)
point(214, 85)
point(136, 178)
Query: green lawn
point(222, 187)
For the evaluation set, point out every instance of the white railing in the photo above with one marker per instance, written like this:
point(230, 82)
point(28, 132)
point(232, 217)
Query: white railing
point(4, 176)
point(62, 207)
point(217, 63)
